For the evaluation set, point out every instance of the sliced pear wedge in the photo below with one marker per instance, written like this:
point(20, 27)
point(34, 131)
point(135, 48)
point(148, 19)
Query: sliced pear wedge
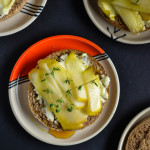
point(93, 90)
point(45, 90)
point(132, 19)
point(141, 5)
point(50, 82)
point(108, 9)
point(71, 120)
point(75, 67)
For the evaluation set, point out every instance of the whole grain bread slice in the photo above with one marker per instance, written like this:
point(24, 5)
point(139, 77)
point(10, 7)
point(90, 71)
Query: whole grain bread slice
point(36, 107)
point(17, 6)
point(139, 136)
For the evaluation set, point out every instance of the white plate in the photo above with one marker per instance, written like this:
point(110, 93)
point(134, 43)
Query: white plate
point(24, 18)
point(111, 31)
point(19, 81)
point(137, 119)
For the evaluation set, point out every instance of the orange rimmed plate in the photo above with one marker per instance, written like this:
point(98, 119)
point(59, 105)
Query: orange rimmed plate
point(19, 81)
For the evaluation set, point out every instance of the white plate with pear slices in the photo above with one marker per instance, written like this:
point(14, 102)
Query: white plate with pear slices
point(19, 81)
point(108, 29)
point(29, 13)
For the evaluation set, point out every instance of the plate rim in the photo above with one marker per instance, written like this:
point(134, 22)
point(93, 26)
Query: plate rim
point(129, 125)
point(25, 25)
point(91, 16)
point(92, 135)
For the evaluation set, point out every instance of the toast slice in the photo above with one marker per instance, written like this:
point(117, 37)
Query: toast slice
point(36, 107)
point(17, 6)
point(139, 138)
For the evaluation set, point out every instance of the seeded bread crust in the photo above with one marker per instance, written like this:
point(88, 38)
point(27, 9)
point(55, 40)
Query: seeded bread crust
point(17, 6)
point(36, 107)
point(139, 138)
point(118, 22)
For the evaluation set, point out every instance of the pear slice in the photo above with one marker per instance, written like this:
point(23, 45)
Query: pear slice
point(49, 90)
point(50, 82)
point(60, 76)
point(132, 19)
point(75, 67)
point(108, 9)
point(93, 91)
point(141, 5)
point(71, 120)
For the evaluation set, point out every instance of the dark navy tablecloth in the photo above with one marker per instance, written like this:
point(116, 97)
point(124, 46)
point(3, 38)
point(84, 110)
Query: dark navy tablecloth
point(131, 61)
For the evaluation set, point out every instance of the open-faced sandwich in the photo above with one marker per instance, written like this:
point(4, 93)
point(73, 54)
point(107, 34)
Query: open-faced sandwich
point(68, 90)
point(129, 15)
point(139, 138)
point(9, 8)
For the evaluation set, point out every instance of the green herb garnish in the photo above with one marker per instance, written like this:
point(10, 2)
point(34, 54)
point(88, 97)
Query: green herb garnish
point(46, 74)
point(47, 91)
point(67, 81)
point(54, 69)
point(68, 92)
point(60, 101)
point(70, 107)
point(57, 108)
point(51, 105)
point(93, 82)
point(80, 87)
point(44, 80)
